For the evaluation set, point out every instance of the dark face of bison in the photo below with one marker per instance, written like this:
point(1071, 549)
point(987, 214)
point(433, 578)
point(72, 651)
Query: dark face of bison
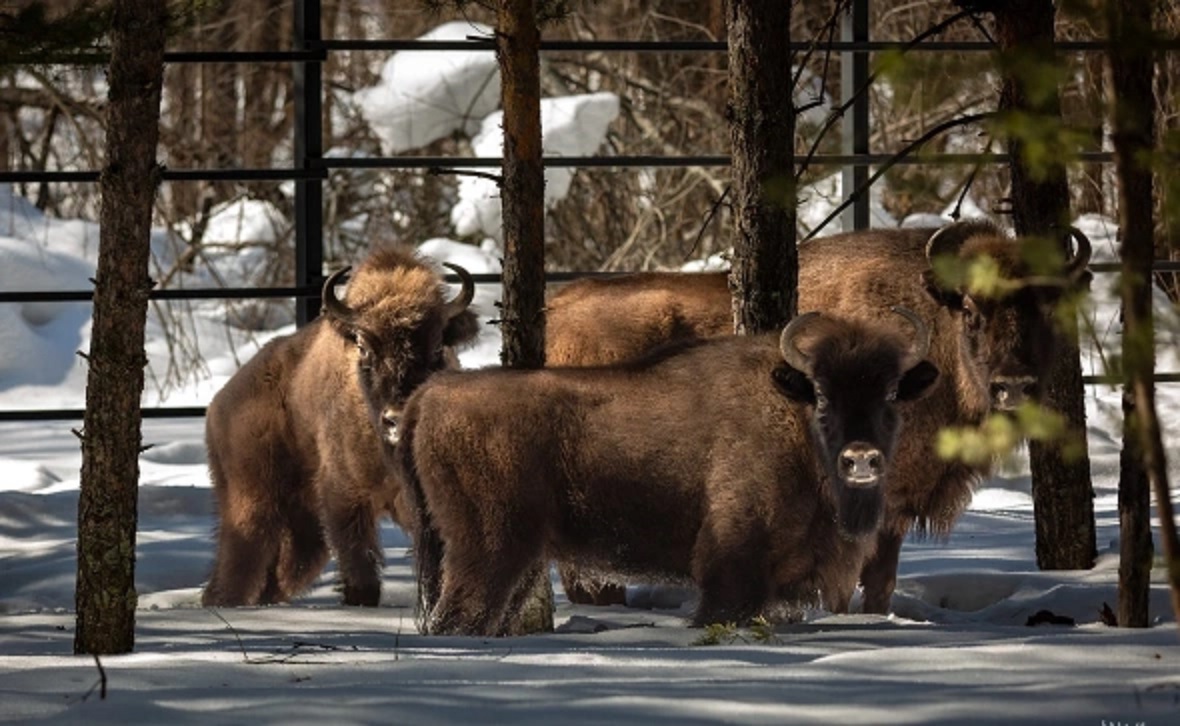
point(403, 334)
point(853, 375)
point(1011, 334)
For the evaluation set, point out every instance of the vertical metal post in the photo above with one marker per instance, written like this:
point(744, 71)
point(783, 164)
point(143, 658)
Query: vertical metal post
point(854, 137)
point(309, 150)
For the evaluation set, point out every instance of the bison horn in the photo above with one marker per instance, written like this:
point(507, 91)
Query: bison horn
point(465, 296)
point(794, 357)
point(947, 240)
point(921, 344)
point(1081, 258)
point(333, 305)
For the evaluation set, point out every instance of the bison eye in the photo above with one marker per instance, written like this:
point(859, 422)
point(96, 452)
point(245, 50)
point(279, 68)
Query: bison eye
point(364, 354)
point(891, 394)
point(971, 315)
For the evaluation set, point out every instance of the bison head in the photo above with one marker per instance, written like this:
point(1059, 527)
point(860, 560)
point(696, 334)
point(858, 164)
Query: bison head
point(402, 327)
point(1009, 332)
point(853, 373)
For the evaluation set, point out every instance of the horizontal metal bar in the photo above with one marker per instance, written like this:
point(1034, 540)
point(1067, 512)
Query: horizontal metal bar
point(170, 175)
point(314, 55)
point(321, 167)
point(232, 293)
point(1118, 381)
point(483, 278)
point(485, 162)
point(76, 414)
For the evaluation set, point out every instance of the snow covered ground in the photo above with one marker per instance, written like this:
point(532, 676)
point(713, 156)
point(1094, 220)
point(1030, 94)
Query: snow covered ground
point(957, 648)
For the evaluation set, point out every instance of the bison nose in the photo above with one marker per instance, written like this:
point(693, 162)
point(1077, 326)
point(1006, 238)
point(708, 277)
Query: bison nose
point(389, 420)
point(1008, 392)
point(861, 464)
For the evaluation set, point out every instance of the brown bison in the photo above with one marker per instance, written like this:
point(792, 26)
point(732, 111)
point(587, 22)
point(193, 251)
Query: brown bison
point(752, 466)
point(294, 450)
point(992, 349)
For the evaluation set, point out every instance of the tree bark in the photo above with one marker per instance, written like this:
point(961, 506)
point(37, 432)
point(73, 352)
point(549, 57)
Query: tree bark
point(105, 594)
point(765, 267)
point(1144, 459)
point(1063, 495)
point(522, 191)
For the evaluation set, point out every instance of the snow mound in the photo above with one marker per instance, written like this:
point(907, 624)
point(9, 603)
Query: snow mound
point(427, 95)
point(570, 126)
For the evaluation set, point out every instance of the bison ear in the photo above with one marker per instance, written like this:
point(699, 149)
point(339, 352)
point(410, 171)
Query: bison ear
point(917, 381)
point(793, 383)
point(947, 298)
point(461, 329)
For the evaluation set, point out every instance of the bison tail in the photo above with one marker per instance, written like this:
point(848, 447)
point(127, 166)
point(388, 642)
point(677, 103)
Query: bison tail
point(427, 544)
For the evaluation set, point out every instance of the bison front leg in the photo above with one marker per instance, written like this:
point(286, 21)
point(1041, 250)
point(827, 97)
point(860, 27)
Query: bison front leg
point(241, 568)
point(879, 574)
point(350, 523)
point(734, 588)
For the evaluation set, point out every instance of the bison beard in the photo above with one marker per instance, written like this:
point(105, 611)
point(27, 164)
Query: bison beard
point(992, 351)
point(507, 470)
point(293, 438)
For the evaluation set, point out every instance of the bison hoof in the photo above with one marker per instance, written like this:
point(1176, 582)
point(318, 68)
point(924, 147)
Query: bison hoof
point(367, 596)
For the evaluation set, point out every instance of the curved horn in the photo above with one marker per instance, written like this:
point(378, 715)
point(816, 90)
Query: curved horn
point(947, 240)
point(333, 305)
point(465, 296)
point(794, 357)
point(921, 334)
point(1082, 257)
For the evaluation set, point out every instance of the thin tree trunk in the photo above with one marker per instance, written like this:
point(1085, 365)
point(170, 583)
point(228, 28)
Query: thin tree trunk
point(765, 267)
point(1129, 27)
point(522, 191)
point(1063, 495)
point(220, 100)
point(105, 594)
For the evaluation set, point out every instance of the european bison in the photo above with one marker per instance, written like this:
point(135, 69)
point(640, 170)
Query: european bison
point(294, 450)
point(992, 349)
point(752, 466)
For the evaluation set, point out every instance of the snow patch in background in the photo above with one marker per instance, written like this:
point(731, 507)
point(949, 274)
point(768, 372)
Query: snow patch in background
point(428, 95)
point(570, 126)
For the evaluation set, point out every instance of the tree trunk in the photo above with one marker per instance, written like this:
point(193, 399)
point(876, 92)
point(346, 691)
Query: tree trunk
point(1063, 496)
point(220, 102)
point(522, 189)
point(1145, 465)
point(263, 85)
point(105, 594)
point(765, 267)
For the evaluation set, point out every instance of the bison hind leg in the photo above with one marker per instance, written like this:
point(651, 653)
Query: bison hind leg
point(302, 555)
point(240, 569)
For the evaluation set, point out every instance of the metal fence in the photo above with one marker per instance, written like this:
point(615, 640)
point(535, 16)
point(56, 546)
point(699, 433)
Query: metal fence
point(311, 169)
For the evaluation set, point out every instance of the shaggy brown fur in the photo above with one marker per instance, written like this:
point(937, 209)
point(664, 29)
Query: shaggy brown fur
point(719, 462)
point(991, 351)
point(294, 450)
